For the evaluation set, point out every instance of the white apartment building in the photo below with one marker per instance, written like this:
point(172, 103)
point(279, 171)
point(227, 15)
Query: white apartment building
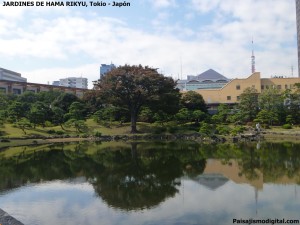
point(74, 82)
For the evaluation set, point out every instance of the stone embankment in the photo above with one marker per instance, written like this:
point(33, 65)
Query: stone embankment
point(6, 219)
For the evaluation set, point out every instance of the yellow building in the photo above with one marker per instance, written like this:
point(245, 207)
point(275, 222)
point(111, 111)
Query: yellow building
point(231, 92)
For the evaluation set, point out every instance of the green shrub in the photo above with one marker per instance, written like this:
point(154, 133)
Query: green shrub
point(51, 131)
point(48, 124)
point(98, 134)
point(159, 129)
point(223, 129)
point(59, 132)
point(287, 126)
point(237, 130)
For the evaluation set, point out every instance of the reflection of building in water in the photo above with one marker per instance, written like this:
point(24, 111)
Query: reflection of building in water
point(211, 180)
point(217, 171)
point(232, 171)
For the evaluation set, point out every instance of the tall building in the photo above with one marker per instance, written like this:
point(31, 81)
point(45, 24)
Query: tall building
point(74, 82)
point(11, 75)
point(209, 79)
point(298, 32)
point(105, 68)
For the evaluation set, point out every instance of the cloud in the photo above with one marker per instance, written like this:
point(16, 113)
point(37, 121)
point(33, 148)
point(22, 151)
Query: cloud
point(202, 34)
point(163, 3)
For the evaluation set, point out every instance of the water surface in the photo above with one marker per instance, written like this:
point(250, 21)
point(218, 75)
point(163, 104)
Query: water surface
point(150, 183)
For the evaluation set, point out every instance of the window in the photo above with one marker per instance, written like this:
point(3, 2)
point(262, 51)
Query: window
point(238, 87)
point(279, 86)
point(16, 91)
point(2, 90)
point(238, 98)
point(267, 86)
point(286, 86)
point(228, 98)
point(262, 87)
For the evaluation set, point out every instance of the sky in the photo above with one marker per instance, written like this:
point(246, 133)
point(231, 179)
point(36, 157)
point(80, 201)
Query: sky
point(180, 37)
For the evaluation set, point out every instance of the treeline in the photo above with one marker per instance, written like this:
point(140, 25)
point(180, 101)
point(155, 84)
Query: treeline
point(140, 94)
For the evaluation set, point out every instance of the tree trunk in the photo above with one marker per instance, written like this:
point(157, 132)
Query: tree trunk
point(133, 122)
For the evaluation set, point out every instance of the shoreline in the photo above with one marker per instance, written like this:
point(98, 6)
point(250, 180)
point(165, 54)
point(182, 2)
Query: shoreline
point(266, 135)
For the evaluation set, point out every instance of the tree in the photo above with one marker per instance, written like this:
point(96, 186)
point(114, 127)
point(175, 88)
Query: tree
point(248, 106)
point(222, 115)
point(16, 111)
point(23, 124)
point(58, 116)
point(132, 87)
point(64, 101)
point(271, 101)
point(76, 111)
point(39, 113)
point(193, 101)
point(79, 125)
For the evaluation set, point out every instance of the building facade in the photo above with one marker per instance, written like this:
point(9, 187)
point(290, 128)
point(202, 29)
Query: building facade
point(11, 75)
point(105, 68)
point(74, 82)
point(209, 79)
point(18, 88)
point(298, 32)
point(231, 92)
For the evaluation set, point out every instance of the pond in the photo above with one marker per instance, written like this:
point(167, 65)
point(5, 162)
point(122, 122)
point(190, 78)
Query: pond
point(112, 183)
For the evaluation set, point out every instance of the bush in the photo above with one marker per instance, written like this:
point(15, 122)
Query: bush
point(287, 126)
point(159, 129)
point(97, 134)
point(237, 130)
point(48, 124)
point(59, 132)
point(223, 129)
point(51, 131)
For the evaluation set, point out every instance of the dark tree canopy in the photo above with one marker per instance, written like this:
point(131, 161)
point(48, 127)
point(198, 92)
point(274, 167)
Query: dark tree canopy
point(193, 101)
point(132, 87)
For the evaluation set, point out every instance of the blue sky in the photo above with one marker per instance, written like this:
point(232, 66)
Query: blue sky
point(180, 37)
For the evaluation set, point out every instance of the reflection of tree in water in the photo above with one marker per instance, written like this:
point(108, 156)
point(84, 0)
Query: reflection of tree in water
point(127, 178)
point(143, 179)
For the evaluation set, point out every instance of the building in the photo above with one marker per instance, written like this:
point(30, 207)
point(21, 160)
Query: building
point(105, 68)
point(210, 79)
point(231, 92)
point(11, 75)
point(298, 32)
point(18, 88)
point(55, 83)
point(74, 82)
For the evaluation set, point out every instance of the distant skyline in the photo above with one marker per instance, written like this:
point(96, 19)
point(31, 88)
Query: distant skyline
point(179, 37)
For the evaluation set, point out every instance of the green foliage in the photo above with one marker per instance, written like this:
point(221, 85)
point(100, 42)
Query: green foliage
point(159, 129)
point(248, 106)
point(132, 87)
point(79, 125)
point(222, 114)
point(97, 134)
point(23, 124)
point(223, 129)
point(206, 129)
point(287, 126)
point(237, 130)
point(266, 117)
point(146, 115)
point(76, 111)
point(193, 101)
point(183, 115)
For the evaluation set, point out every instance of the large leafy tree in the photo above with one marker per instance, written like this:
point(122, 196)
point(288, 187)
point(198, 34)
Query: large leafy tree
point(271, 101)
point(132, 87)
point(248, 107)
point(193, 101)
